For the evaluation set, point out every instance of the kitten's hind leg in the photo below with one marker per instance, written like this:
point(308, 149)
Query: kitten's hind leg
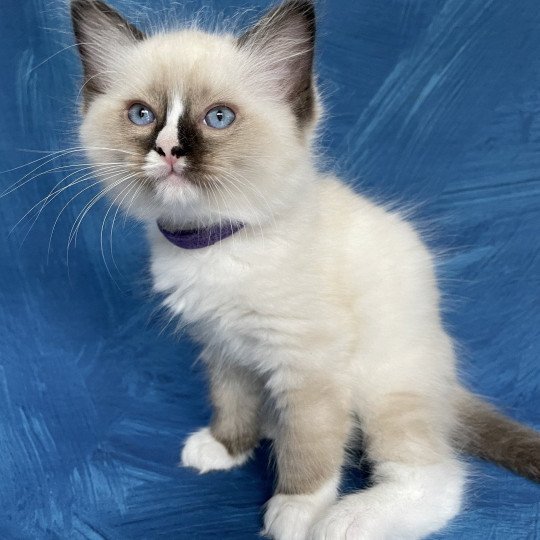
point(418, 483)
point(234, 431)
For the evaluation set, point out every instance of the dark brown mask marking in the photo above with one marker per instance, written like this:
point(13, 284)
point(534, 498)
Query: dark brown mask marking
point(192, 142)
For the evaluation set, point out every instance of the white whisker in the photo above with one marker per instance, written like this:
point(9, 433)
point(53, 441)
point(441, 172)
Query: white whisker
point(52, 195)
point(97, 182)
point(126, 189)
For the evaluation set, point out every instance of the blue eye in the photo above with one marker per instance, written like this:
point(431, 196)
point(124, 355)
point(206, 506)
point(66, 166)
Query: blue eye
point(141, 115)
point(219, 117)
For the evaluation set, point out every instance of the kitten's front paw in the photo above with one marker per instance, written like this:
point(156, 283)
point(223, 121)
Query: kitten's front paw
point(204, 453)
point(289, 517)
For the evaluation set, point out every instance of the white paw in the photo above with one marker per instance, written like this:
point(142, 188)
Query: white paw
point(204, 453)
point(410, 504)
point(351, 519)
point(289, 517)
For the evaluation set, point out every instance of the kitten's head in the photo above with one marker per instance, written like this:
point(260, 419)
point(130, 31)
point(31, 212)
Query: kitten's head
point(192, 126)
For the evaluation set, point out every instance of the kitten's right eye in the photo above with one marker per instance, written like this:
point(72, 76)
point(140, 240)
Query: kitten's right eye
point(141, 115)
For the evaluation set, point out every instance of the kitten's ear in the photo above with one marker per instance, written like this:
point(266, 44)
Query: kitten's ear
point(101, 34)
point(283, 44)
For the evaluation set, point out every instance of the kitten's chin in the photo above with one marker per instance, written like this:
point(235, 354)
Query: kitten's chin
point(175, 192)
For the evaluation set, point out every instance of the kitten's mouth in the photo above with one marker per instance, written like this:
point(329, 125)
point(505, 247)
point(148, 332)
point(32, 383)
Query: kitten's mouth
point(174, 178)
point(166, 174)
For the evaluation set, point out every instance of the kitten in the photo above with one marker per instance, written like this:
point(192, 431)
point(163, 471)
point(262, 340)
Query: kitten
point(311, 302)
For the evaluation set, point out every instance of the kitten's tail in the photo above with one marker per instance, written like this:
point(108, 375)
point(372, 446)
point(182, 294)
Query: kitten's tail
point(488, 434)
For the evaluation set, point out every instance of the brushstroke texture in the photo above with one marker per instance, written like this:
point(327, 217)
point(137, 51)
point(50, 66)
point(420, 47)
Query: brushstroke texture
point(434, 104)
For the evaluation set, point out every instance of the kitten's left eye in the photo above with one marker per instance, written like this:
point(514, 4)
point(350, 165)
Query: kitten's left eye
point(219, 117)
point(141, 114)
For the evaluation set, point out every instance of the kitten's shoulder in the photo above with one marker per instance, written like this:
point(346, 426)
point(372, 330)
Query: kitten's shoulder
point(362, 223)
point(338, 198)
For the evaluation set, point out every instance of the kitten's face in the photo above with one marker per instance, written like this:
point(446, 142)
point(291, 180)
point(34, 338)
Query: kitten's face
point(205, 127)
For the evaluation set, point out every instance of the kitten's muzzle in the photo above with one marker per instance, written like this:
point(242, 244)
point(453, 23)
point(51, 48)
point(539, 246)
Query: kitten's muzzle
point(171, 155)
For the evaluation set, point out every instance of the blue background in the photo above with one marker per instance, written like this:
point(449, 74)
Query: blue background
point(433, 104)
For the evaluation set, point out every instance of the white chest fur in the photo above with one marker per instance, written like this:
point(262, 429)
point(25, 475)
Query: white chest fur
point(227, 294)
point(336, 279)
point(258, 300)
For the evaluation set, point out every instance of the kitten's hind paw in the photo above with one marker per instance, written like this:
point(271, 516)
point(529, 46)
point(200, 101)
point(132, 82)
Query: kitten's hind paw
point(409, 503)
point(204, 453)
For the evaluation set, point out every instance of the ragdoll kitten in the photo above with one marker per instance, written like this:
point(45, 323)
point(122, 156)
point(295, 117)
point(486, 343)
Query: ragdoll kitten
point(317, 310)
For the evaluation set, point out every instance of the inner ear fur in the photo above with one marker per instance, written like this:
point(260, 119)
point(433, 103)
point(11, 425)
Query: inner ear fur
point(284, 41)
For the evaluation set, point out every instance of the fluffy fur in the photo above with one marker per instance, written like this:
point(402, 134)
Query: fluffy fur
point(322, 314)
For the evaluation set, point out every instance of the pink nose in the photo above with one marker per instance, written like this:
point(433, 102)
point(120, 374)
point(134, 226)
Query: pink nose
point(170, 153)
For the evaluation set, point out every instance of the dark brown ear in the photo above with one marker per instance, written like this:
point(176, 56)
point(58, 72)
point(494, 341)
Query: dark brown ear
point(101, 34)
point(284, 42)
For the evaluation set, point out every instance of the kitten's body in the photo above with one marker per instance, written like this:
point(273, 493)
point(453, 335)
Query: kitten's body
point(334, 307)
point(337, 281)
point(321, 313)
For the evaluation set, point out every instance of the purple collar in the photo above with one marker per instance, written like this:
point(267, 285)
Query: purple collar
point(201, 238)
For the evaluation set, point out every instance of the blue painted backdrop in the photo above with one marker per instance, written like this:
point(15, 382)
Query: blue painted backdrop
point(433, 103)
